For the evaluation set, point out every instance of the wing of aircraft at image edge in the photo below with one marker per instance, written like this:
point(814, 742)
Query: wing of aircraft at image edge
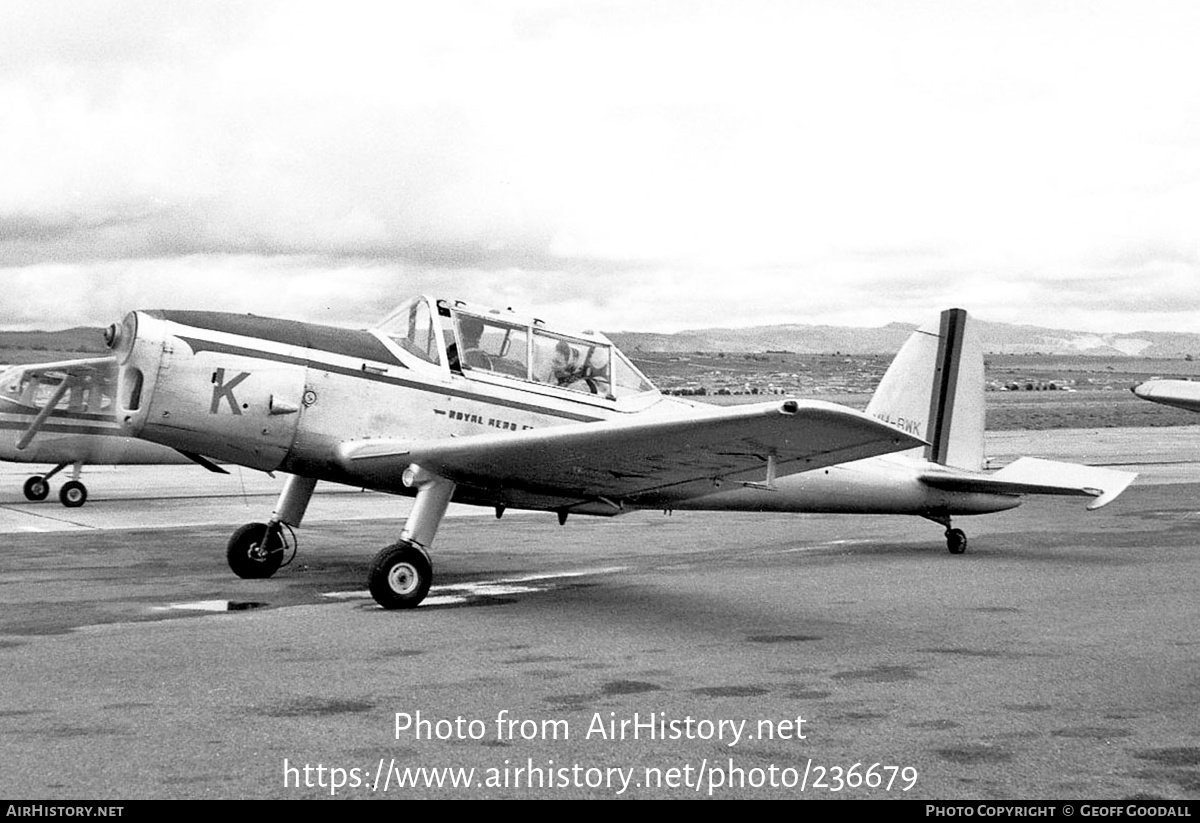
point(1182, 394)
point(63, 413)
point(447, 401)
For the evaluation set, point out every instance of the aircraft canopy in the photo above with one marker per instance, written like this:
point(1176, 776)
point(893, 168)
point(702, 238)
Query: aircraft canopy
point(501, 342)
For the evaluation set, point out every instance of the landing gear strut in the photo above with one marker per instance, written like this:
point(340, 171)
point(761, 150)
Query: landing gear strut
point(956, 539)
point(400, 575)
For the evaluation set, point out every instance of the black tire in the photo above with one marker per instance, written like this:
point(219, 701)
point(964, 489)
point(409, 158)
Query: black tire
point(73, 494)
point(956, 541)
point(400, 576)
point(255, 552)
point(36, 488)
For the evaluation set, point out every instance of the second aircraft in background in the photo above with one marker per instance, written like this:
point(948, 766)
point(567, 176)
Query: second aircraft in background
point(62, 414)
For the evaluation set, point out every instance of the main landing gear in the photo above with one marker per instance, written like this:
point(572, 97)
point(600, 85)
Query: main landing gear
point(956, 539)
point(399, 576)
point(73, 493)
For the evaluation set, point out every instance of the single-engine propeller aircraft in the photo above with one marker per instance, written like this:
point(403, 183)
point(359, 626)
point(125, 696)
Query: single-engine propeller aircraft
point(63, 414)
point(1182, 394)
point(449, 401)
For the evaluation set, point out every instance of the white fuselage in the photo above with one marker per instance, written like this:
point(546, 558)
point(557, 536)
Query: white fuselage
point(275, 395)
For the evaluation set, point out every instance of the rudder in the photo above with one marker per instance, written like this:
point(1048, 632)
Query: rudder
point(934, 389)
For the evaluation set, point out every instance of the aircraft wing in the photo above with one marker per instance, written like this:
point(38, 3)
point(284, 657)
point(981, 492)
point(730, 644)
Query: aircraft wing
point(648, 461)
point(1183, 394)
point(81, 367)
point(1032, 475)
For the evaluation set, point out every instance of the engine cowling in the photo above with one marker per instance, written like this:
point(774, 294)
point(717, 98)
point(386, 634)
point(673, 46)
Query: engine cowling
point(202, 390)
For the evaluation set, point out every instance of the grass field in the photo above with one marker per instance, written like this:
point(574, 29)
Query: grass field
point(1097, 394)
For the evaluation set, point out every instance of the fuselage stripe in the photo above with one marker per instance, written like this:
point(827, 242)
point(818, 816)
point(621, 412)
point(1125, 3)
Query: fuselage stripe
point(314, 336)
point(198, 345)
point(18, 425)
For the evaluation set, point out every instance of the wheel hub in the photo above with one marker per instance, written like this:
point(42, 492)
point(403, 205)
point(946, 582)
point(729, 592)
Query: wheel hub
point(403, 578)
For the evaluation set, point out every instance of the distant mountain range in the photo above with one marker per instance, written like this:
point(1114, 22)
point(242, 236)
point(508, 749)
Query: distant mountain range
point(998, 338)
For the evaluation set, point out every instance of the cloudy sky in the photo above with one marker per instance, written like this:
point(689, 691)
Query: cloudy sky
point(619, 164)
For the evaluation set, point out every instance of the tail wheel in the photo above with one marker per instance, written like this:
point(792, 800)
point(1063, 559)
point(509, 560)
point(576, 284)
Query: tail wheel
point(956, 541)
point(400, 576)
point(255, 551)
point(73, 494)
point(36, 488)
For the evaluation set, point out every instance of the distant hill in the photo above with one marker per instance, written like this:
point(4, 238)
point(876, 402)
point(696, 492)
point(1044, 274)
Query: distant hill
point(998, 338)
point(787, 337)
point(43, 346)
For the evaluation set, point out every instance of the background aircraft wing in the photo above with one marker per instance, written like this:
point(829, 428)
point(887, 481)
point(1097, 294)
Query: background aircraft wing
point(1183, 394)
point(83, 367)
point(1032, 475)
point(646, 461)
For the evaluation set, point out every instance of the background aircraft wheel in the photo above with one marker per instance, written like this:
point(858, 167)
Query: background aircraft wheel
point(956, 541)
point(255, 552)
point(73, 494)
point(36, 488)
point(400, 576)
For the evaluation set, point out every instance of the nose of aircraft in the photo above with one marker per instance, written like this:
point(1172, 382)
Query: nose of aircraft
point(1143, 390)
point(138, 350)
point(119, 337)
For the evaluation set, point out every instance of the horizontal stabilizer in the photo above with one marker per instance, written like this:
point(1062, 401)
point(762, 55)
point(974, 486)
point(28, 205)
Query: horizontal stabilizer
point(1032, 475)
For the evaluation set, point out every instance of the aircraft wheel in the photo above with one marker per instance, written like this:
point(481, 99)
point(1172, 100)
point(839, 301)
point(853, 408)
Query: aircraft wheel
point(73, 494)
point(36, 488)
point(956, 541)
point(255, 552)
point(400, 576)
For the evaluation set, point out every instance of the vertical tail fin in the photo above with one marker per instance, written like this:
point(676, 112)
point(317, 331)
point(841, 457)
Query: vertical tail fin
point(934, 389)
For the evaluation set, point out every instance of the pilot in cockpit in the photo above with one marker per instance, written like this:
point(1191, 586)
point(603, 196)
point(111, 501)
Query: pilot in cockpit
point(564, 366)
